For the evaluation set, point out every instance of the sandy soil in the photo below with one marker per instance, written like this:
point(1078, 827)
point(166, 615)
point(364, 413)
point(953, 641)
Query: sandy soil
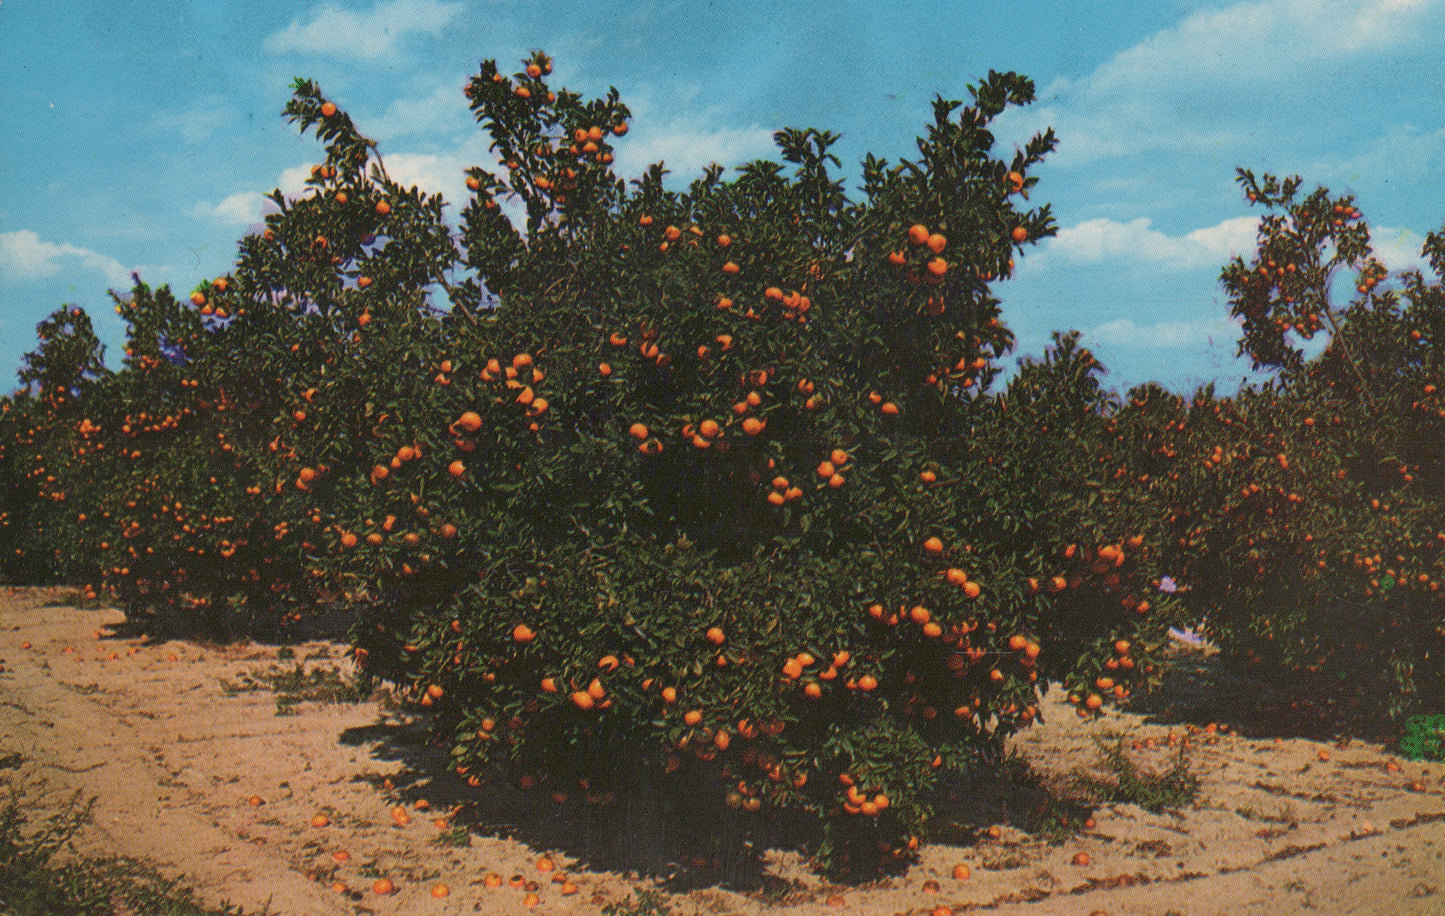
point(174, 758)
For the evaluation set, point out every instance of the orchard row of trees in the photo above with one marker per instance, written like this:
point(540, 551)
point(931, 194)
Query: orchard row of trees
point(718, 488)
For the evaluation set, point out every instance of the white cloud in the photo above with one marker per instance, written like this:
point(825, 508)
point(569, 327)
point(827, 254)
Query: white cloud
point(292, 181)
point(1399, 249)
point(1206, 82)
point(24, 255)
point(198, 123)
point(1163, 335)
point(1100, 240)
point(444, 112)
point(682, 141)
point(1400, 154)
point(338, 32)
point(243, 208)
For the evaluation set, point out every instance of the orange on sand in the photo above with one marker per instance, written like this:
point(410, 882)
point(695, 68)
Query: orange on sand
point(320, 820)
point(255, 801)
point(340, 856)
point(493, 880)
point(383, 886)
point(545, 864)
point(440, 890)
point(1081, 859)
point(338, 888)
point(961, 872)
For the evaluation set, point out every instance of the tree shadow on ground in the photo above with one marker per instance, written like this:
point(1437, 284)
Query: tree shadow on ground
point(216, 626)
point(1203, 686)
point(647, 833)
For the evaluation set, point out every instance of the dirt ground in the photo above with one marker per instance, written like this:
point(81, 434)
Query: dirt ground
point(203, 778)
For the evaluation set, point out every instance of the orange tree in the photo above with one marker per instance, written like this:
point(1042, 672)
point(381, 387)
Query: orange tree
point(1304, 513)
point(707, 488)
point(44, 433)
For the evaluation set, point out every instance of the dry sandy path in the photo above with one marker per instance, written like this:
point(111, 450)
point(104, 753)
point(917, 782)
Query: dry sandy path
point(174, 759)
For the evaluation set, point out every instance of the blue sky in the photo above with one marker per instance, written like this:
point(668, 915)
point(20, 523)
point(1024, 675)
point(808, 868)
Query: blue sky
point(142, 135)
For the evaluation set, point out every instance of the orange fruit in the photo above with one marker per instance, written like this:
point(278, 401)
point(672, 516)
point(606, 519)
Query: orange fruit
point(961, 872)
point(327, 109)
point(456, 468)
point(716, 636)
point(523, 633)
point(936, 243)
point(440, 890)
point(1081, 859)
point(383, 886)
point(340, 856)
point(1020, 234)
point(933, 545)
point(469, 422)
point(918, 234)
point(637, 431)
point(320, 820)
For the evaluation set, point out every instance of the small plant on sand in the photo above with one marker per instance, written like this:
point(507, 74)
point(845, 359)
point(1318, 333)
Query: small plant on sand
point(296, 685)
point(34, 882)
point(457, 835)
point(1127, 782)
point(1424, 738)
point(648, 903)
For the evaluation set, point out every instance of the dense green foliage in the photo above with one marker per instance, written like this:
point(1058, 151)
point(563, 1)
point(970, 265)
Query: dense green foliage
point(717, 488)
